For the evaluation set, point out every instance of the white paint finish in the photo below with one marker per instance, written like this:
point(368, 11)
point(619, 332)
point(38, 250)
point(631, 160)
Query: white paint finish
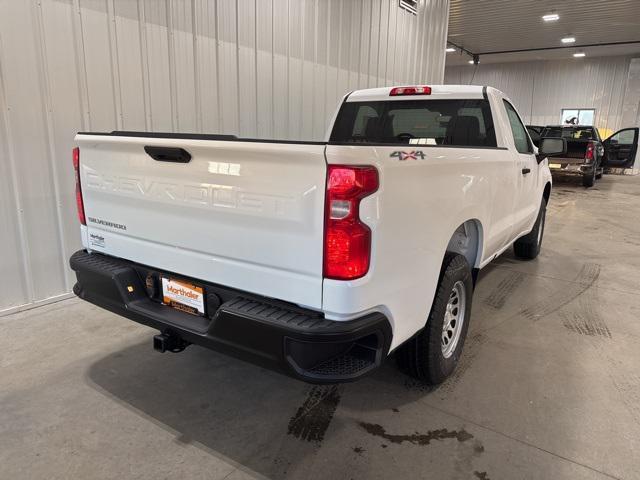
point(418, 207)
point(174, 65)
point(247, 215)
point(441, 92)
point(540, 90)
point(250, 215)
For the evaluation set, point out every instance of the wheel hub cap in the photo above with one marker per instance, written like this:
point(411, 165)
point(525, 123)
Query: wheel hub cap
point(453, 319)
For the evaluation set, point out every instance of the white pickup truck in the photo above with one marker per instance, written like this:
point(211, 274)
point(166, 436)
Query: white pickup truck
point(316, 258)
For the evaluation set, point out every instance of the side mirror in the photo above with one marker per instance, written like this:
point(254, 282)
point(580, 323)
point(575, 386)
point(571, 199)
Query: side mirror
point(551, 147)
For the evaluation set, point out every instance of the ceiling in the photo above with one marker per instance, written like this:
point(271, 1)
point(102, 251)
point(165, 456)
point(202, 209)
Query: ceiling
point(483, 26)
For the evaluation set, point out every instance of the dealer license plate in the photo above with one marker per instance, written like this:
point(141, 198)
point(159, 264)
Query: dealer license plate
point(183, 296)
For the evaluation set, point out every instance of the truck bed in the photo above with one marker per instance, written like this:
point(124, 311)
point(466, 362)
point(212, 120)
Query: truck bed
point(576, 150)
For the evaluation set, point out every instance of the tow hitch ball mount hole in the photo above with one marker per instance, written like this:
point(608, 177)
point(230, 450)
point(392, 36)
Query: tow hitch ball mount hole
point(165, 342)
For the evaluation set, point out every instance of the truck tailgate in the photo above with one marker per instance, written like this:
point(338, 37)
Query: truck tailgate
point(244, 214)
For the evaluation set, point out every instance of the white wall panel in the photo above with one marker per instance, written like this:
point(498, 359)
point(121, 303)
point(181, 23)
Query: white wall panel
point(253, 68)
point(541, 89)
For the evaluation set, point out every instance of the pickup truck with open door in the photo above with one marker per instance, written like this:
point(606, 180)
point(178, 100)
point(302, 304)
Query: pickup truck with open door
point(585, 151)
point(588, 155)
point(315, 258)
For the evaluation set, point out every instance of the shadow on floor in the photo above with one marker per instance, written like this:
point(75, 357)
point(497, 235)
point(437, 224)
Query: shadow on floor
point(257, 418)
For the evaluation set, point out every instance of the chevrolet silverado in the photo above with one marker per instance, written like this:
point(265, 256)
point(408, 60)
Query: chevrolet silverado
point(319, 259)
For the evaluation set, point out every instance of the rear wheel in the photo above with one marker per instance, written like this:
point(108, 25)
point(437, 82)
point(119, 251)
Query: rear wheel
point(528, 247)
point(433, 353)
point(589, 179)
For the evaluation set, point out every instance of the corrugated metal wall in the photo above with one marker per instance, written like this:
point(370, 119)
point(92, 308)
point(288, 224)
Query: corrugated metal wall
point(255, 68)
point(541, 89)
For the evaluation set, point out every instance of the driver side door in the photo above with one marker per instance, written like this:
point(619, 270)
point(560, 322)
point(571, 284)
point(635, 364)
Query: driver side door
point(525, 198)
point(620, 148)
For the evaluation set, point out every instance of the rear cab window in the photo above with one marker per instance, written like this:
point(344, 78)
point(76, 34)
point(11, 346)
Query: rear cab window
point(456, 123)
point(571, 133)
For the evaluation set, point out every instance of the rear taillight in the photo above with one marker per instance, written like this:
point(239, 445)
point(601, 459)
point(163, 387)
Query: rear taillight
point(347, 240)
point(588, 155)
point(79, 202)
point(415, 90)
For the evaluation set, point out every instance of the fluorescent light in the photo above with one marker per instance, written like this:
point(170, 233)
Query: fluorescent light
point(551, 17)
point(568, 39)
point(450, 49)
point(579, 54)
point(471, 62)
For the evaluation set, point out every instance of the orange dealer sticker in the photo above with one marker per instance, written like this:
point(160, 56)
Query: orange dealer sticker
point(183, 296)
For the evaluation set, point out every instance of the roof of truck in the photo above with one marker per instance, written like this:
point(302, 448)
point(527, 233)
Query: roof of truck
point(437, 92)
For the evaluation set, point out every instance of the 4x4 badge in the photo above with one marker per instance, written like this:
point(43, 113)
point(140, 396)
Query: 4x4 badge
point(413, 155)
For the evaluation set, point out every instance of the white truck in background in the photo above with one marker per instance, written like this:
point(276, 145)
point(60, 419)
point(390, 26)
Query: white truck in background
point(316, 258)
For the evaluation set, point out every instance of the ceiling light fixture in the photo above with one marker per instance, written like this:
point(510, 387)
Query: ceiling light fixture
point(568, 40)
point(450, 49)
point(551, 17)
point(470, 61)
point(579, 54)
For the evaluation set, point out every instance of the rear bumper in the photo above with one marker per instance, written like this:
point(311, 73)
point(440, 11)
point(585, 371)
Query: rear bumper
point(570, 166)
point(270, 333)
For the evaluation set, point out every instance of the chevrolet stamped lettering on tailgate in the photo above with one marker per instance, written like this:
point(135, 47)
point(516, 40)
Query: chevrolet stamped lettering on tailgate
point(215, 196)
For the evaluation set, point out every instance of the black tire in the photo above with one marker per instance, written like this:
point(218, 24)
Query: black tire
point(528, 247)
point(423, 356)
point(589, 179)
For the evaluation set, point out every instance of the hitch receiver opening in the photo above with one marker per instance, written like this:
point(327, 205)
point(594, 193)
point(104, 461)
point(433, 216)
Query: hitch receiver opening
point(166, 342)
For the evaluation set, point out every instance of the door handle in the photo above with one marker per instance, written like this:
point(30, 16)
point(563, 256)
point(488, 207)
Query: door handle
point(168, 154)
point(526, 170)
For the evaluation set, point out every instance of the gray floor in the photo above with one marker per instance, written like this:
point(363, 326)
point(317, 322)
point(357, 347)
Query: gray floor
point(548, 387)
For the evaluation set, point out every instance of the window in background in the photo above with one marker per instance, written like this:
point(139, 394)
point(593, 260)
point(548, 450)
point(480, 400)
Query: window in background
point(578, 116)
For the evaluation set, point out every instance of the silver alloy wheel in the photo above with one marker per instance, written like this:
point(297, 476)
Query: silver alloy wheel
point(540, 227)
point(453, 319)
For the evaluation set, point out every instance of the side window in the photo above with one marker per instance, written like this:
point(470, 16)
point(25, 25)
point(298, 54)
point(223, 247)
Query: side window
point(624, 137)
point(520, 136)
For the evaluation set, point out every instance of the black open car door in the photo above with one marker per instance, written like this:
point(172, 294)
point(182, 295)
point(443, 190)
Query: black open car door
point(620, 148)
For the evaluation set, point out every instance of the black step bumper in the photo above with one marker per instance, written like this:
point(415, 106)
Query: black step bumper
point(268, 332)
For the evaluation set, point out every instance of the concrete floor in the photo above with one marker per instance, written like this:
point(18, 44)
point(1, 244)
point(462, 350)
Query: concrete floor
point(548, 387)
